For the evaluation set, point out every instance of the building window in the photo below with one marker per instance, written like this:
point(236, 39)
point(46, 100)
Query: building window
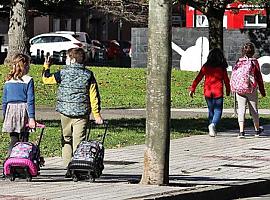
point(250, 19)
point(202, 21)
point(253, 21)
point(56, 24)
point(261, 19)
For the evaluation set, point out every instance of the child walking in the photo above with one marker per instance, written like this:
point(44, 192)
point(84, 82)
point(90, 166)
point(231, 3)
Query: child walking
point(18, 102)
point(250, 65)
point(77, 97)
point(215, 73)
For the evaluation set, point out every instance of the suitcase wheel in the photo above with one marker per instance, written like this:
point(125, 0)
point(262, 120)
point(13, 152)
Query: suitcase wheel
point(91, 179)
point(75, 178)
point(12, 177)
point(28, 178)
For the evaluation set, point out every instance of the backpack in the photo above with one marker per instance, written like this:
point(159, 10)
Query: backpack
point(242, 77)
point(26, 150)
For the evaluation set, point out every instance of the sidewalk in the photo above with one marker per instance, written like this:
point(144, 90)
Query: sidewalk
point(201, 167)
point(49, 113)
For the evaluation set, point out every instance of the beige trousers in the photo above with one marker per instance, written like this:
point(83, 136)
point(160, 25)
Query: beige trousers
point(74, 131)
point(252, 101)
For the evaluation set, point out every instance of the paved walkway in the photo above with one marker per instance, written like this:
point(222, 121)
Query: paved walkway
point(201, 167)
point(51, 114)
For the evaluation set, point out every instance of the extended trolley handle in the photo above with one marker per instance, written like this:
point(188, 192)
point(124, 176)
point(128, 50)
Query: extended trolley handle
point(93, 124)
point(42, 127)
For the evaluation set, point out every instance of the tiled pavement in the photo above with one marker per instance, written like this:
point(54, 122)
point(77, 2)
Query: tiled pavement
point(197, 163)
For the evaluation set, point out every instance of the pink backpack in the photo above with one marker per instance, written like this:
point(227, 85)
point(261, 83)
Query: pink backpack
point(24, 150)
point(23, 154)
point(242, 77)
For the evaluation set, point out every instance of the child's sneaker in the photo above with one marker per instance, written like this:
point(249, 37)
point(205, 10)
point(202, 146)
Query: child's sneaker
point(241, 135)
point(258, 132)
point(212, 130)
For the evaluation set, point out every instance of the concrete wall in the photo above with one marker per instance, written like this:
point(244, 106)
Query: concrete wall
point(190, 46)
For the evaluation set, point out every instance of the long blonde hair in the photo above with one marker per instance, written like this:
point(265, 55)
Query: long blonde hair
point(19, 66)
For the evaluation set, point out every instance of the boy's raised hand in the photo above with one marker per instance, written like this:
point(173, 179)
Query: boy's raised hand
point(48, 60)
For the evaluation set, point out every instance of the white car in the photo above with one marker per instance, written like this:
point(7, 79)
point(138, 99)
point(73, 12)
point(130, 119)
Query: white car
point(83, 37)
point(58, 42)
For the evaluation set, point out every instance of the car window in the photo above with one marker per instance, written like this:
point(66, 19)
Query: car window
point(42, 39)
point(88, 40)
point(49, 39)
point(79, 37)
point(65, 39)
point(60, 39)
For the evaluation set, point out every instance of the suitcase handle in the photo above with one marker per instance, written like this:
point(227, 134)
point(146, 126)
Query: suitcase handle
point(42, 127)
point(93, 124)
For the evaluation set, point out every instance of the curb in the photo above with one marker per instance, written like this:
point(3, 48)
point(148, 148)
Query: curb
point(241, 190)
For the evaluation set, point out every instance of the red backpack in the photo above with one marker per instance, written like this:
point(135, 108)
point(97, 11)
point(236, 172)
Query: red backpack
point(242, 77)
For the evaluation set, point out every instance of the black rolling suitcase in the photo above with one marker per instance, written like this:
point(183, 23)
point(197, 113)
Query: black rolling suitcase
point(87, 161)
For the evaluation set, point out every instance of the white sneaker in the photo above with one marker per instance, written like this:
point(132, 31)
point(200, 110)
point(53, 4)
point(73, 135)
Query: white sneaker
point(212, 130)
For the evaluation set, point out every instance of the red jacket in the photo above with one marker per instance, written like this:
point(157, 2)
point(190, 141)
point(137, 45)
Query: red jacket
point(213, 83)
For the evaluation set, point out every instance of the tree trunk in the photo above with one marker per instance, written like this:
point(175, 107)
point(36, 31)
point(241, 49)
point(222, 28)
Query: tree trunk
point(17, 33)
point(156, 155)
point(267, 8)
point(215, 31)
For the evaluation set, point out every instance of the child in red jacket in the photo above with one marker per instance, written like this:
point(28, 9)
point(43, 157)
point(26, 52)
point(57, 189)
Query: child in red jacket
point(215, 72)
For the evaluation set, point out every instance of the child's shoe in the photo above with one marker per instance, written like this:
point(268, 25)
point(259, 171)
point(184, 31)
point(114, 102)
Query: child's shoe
point(241, 135)
point(258, 132)
point(212, 130)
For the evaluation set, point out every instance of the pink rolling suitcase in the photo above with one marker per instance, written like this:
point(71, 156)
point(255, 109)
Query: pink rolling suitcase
point(24, 160)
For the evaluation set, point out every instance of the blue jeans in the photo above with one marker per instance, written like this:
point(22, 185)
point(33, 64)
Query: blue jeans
point(215, 107)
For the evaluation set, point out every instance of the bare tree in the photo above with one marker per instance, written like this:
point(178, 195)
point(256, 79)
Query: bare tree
point(156, 155)
point(135, 11)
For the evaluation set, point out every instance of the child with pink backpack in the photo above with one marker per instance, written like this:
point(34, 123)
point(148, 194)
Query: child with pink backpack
point(18, 101)
point(246, 78)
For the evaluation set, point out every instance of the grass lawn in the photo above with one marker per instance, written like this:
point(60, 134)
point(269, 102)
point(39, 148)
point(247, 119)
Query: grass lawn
point(126, 88)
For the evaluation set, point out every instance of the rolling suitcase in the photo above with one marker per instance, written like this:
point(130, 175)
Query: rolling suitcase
point(87, 161)
point(24, 160)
